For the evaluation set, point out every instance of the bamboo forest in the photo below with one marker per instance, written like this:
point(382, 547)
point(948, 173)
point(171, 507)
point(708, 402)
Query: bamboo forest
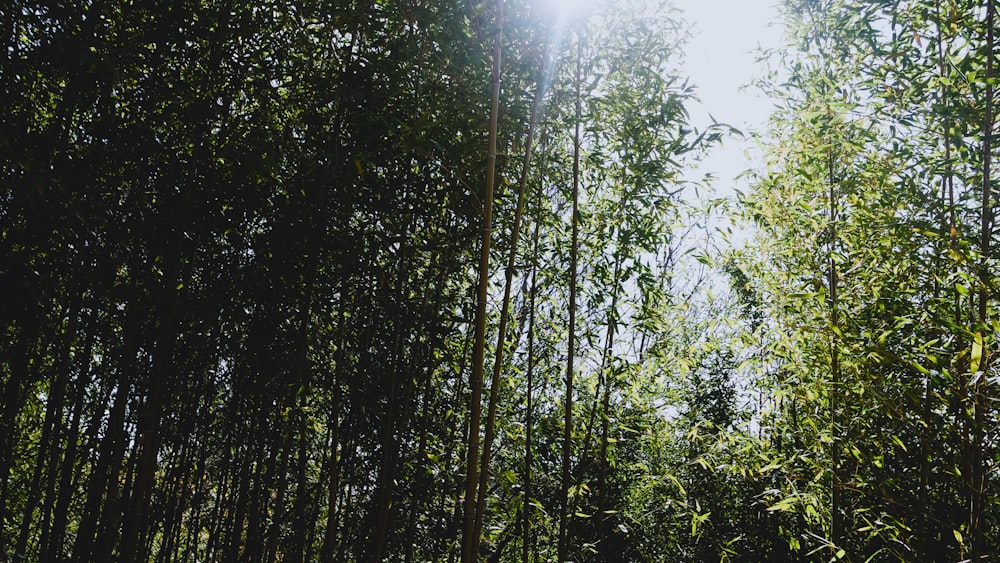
point(449, 281)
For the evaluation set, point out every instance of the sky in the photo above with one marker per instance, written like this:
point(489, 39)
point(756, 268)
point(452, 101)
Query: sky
point(721, 62)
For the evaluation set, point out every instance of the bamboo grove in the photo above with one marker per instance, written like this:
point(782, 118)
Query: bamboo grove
point(427, 280)
point(879, 344)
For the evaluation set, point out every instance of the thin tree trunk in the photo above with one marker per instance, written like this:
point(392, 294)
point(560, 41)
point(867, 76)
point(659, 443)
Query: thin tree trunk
point(103, 487)
point(345, 505)
point(393, 428)
point(222, 520)
point(980, 407)
point(529, 423)
point(563, 549)
point(505, 306)
point(837, 523)
point(608, 373)
point(837, 528)
point(470, 542)
point(243, 491)
point(602, 390)
point(300, 373)
point(175, 484)
point(273, 537)
point(299, 524)
point(48, 443)
point(52, 545)
point(947, 225)
point(135, 523)
point(199, 502)
point(330, 536)
point(451, 507)
point(260, 497)
point(12, 401)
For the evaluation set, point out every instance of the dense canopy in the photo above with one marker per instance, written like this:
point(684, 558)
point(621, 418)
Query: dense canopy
point(430, 280)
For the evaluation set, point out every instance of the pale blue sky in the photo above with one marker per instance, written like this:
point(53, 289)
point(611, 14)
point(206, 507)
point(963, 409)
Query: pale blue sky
point(721, 61)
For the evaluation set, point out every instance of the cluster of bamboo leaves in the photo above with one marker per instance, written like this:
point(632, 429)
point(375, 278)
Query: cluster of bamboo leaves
point(874, 268)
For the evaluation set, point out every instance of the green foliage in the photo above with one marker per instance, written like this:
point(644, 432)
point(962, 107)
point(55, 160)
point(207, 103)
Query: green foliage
point(238, 266)
point(236, 241)
point(878, 119)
